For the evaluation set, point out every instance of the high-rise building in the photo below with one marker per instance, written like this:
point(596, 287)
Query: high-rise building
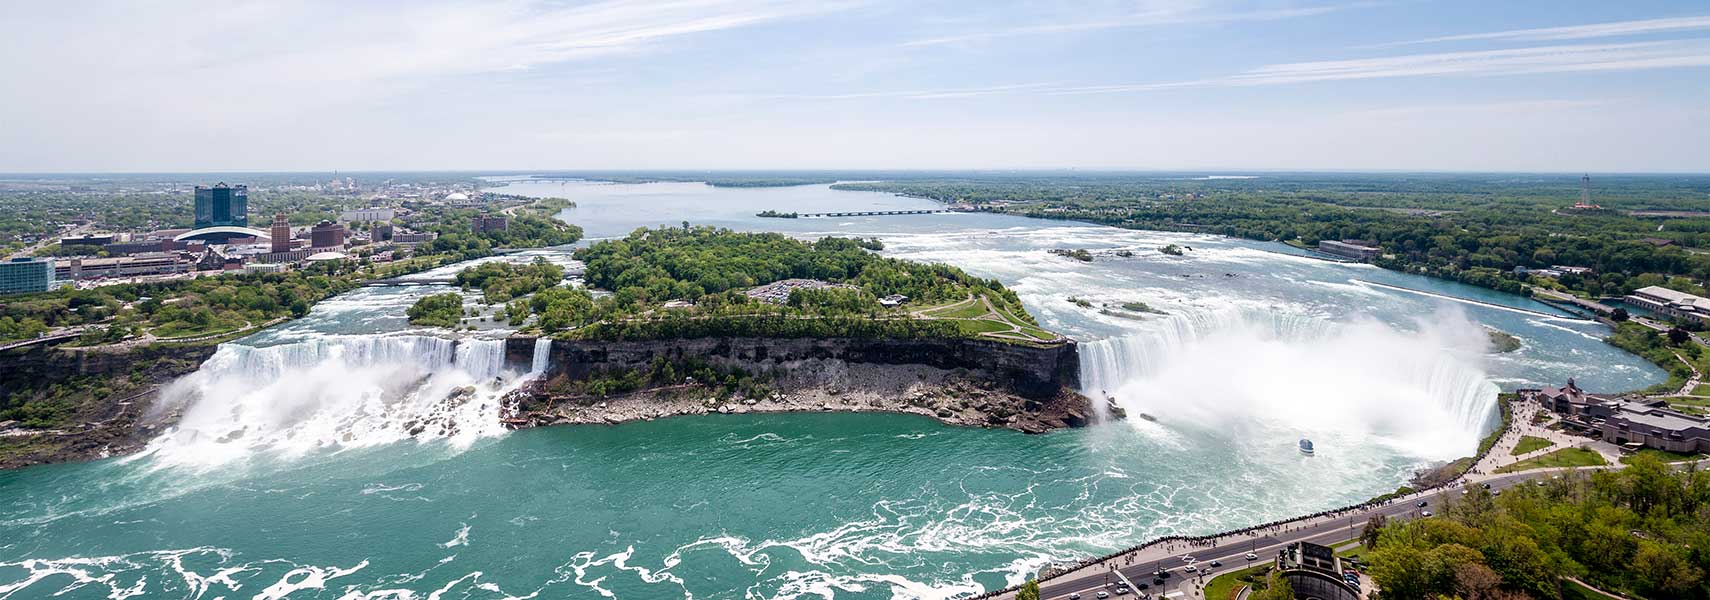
point(326, 234)
point(484, 223)
point(21, 275)
point(281, 233)
point(368, 214)
point(222, 206)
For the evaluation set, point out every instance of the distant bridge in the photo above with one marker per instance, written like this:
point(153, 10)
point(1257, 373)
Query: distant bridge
point(873, 213)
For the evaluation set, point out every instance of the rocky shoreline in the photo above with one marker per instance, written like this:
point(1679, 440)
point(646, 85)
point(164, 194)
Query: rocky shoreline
point(944, 395)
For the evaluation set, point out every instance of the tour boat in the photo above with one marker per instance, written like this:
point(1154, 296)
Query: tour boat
point(1306, 446)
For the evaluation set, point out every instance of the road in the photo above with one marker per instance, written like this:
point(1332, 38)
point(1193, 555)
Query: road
point(51, 240)
point(1232, 549)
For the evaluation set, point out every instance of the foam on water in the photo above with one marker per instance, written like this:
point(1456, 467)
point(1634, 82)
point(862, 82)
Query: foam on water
point(1266, 377)
point(334, 392)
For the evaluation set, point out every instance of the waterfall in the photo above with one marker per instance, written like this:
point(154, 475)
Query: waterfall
point(542, 357)
point(1244, 371)
point(335, 392)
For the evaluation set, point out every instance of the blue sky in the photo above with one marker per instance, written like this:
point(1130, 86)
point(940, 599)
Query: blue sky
point(856, 84)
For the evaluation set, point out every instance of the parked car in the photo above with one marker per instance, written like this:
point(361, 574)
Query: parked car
point(1216, 564)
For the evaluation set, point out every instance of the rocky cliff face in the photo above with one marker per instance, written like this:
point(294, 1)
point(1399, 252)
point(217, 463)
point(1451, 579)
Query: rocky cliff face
point(963, 382)
point(99, 396)
point(1034, 372)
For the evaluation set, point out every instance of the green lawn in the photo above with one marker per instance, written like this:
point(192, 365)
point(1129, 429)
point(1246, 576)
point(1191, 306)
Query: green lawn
point(978, 326)
point(1531, 444)
point(1223, 586)
point(1665, 455)
point(951, 311)
point(1688, 401)
point(1566, 457)
point(1355, 551)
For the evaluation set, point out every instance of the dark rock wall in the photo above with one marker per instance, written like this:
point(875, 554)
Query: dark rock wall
point(1029, 371)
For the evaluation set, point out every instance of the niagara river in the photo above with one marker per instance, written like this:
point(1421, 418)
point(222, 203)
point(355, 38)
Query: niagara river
point(308, 464)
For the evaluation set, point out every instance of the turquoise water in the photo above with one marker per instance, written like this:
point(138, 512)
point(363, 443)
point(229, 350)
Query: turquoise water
point(326, 494)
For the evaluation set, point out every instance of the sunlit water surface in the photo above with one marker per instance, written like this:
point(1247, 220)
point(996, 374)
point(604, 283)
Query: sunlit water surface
point(317, 460)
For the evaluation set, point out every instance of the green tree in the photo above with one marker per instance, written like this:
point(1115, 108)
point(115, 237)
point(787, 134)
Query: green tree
point(1276, 588)
point(1028, 591)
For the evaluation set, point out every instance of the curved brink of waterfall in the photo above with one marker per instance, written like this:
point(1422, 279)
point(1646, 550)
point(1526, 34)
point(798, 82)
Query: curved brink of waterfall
point(1259, 375)
point(335, 392)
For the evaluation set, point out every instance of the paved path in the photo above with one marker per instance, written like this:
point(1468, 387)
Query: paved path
point(1521, 425)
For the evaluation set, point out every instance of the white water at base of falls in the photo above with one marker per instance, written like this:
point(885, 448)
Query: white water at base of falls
point(1266, 379)
point(334, 392)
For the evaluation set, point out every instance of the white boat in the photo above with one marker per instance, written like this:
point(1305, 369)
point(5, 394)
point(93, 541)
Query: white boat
point(1306, 446)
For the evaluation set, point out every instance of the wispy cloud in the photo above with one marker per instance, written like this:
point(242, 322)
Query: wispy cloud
point(928, 94)
point(1176, 14)
point(1577, 32)
point(1518, 61)
point(1570, 58)
point(1528, 107)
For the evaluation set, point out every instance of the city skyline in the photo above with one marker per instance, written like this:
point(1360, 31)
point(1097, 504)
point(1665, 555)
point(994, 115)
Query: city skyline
point(858, 85)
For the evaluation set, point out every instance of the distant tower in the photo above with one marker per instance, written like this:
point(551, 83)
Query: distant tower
point(1585, 195)
point(281, 233)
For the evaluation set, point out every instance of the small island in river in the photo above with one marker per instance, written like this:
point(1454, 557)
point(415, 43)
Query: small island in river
point(695, 320)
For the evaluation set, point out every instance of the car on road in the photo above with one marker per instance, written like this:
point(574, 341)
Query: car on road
point(1158, 581)
point(1122, 590)
point(1143, 585)
point(1251, 556)
point(1216, 564)
point(1425, 513)
point(1103, 595)
point(1191, 569)
point(1074, 597)
point(1422, 504)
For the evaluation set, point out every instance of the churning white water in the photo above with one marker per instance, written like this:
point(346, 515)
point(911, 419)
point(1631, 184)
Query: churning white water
point(1265, 379)
point(332, 392)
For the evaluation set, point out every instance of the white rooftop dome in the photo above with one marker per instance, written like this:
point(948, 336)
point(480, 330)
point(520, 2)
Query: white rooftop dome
point(319, 256)
point(457, 196)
